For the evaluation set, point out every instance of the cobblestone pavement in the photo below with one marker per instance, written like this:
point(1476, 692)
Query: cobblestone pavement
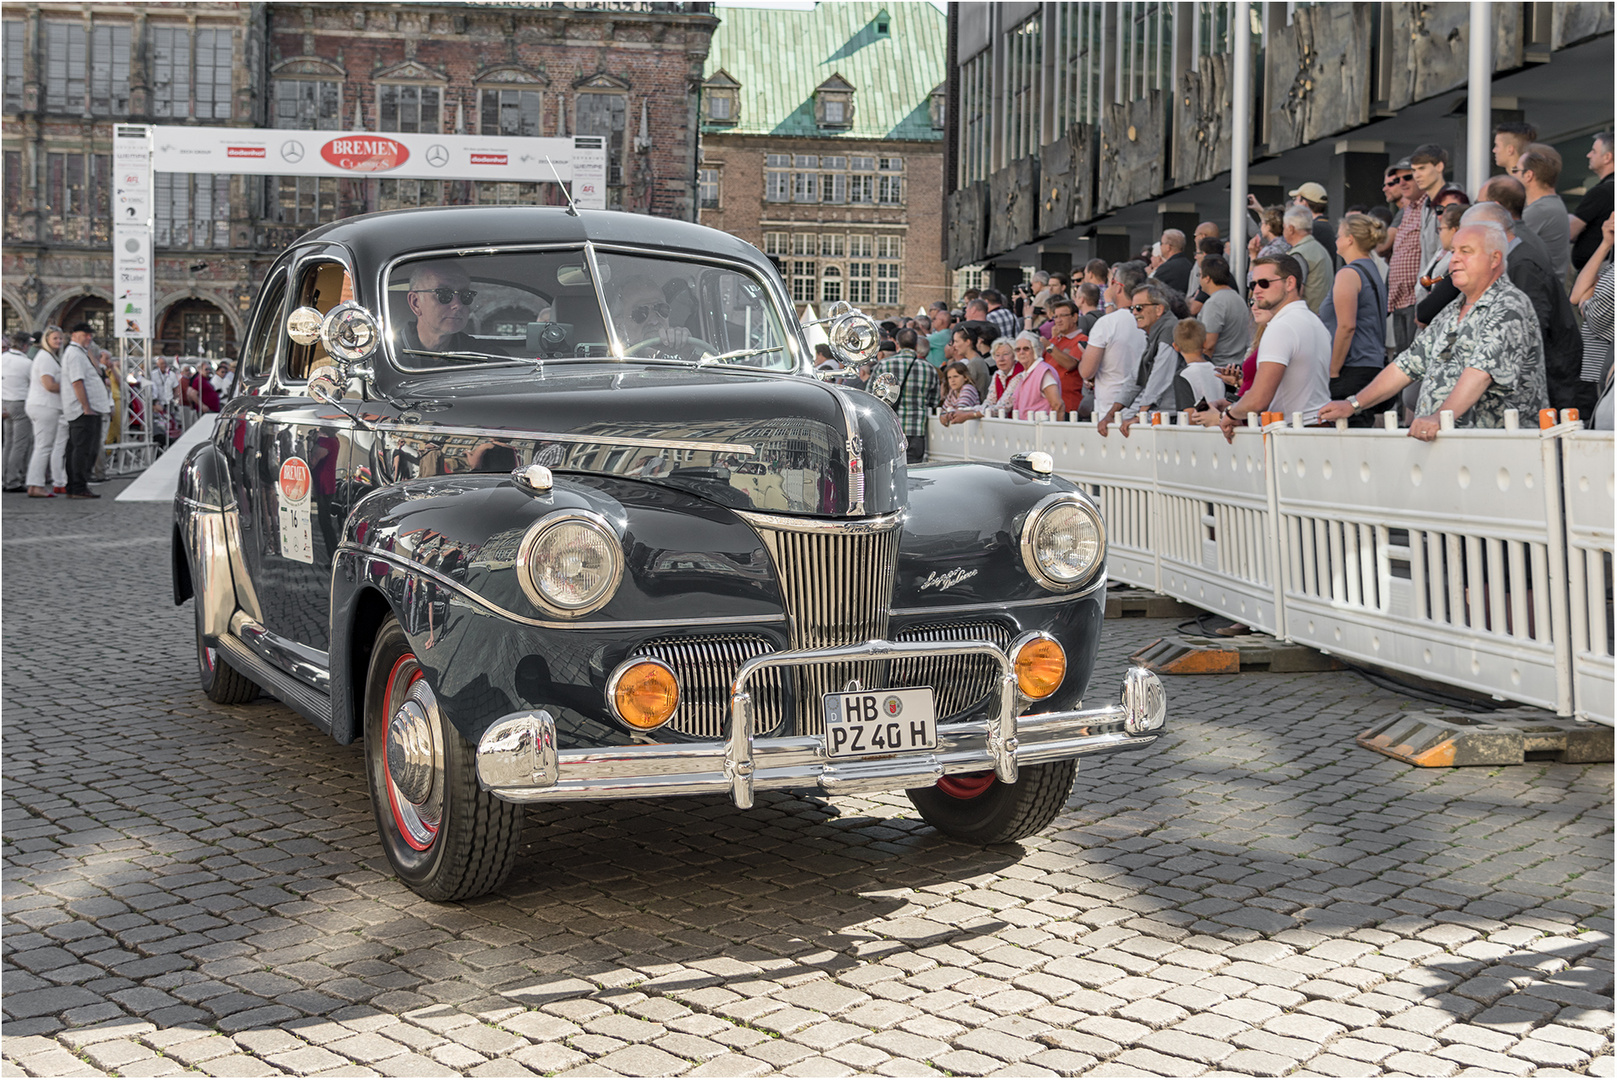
point(190, 887)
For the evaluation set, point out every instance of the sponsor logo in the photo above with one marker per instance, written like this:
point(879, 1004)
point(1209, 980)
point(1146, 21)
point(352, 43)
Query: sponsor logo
point(945, 580)
point(365, 153)
point(246, 151)
point(437, 156)
point(489, 159)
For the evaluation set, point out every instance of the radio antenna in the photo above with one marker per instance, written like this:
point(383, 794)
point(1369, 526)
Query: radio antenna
point(571, 207)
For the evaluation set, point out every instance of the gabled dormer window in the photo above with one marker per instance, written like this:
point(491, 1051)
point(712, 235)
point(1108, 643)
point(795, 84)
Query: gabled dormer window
point(721, 99)
point(833, 103)
point(883, 23)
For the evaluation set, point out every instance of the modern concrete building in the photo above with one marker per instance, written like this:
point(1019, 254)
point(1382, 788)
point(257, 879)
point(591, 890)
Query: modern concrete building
point(1084, 129)
point(630, 71)
point(822, 144)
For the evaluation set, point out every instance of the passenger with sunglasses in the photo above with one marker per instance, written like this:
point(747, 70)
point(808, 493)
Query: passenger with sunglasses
point(642, 314)
point(440, 297)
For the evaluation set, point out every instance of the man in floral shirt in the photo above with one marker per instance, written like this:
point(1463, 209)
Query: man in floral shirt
point(1480, 356)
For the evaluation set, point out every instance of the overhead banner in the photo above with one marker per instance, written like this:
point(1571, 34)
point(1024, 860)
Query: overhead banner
point(401, 155)
point(131, 231)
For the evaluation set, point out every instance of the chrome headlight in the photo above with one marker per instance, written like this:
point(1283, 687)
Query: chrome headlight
point(570, 562)
point(1063, 541)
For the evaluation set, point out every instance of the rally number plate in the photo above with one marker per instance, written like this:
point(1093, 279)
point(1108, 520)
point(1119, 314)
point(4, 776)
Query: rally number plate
point(867, 722)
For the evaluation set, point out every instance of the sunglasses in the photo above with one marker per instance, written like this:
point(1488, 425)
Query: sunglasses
point(1264, 282)
point(1137, 308)
point(447, 296)
point(643, 312)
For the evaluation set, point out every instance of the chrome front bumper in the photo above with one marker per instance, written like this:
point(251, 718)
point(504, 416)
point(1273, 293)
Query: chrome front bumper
point(518, 760)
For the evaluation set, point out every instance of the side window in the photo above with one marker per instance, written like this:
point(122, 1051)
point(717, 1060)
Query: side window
point(322, 285)
point(259, 356)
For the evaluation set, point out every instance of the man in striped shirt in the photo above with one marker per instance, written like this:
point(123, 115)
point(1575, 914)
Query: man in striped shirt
point(1415, 243)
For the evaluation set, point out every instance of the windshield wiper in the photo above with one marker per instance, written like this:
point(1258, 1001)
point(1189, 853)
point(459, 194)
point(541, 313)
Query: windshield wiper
point(737, 354)
point(458, 355)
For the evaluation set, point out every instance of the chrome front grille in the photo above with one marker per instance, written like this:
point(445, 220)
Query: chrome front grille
point(836, 578)
point(957, 682)
point(706, 669)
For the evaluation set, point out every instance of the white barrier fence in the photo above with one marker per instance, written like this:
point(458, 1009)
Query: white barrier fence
point(1482, 560)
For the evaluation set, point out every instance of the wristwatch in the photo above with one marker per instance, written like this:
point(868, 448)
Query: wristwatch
point(1353, 400)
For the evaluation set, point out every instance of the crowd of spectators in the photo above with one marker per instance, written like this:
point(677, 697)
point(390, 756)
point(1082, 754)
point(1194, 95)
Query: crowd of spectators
point(64, 401)
point(1441, 300)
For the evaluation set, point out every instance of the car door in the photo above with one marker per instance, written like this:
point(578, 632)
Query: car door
point(298, 472)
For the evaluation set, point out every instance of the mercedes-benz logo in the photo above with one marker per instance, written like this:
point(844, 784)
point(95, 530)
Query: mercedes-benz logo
point(437, 156)
point(292, 150)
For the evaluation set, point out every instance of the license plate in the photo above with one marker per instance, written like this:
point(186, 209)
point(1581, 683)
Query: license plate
point(869, 722)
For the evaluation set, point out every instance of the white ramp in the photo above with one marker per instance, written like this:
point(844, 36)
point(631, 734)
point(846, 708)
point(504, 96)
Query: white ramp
point(162, 477)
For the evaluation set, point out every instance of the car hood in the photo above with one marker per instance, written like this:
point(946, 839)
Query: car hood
point(773, 443)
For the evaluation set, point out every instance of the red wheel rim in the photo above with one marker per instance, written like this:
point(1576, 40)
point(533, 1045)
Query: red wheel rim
point(415, 831)
point(966, 785)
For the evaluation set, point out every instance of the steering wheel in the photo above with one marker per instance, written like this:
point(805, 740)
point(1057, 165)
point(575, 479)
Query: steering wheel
point(657, 341)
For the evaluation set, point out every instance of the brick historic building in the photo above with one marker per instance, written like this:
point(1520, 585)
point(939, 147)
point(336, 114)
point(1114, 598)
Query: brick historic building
point(822, 144)
point(630, 71)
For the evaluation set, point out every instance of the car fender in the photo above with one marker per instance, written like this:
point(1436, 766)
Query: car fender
point(200, 559)
point(415, 548)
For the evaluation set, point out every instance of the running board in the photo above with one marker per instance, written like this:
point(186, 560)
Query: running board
point(305, 699)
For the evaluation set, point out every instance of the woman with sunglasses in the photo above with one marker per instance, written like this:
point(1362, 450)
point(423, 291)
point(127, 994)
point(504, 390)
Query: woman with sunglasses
point(1040, 389)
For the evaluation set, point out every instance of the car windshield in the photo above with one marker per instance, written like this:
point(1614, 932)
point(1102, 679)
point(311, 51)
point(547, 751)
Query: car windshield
point(483, 308)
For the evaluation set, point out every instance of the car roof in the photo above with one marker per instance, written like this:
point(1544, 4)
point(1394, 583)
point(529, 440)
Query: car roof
point(379, 237)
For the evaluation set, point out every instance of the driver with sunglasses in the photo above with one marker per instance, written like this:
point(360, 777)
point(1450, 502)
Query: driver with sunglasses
point(441, 299)
point(641, 315)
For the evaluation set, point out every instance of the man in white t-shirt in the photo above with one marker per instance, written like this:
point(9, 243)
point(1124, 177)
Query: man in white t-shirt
point(18, 438)
point(1294, 357)
point(85, 403)
point(1116, 343)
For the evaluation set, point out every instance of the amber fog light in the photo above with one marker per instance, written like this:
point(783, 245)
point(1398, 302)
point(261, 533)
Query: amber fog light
point(643, 693)
point(1040, 665)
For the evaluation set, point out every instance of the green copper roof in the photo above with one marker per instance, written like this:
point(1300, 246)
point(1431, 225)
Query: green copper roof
point(781, 56)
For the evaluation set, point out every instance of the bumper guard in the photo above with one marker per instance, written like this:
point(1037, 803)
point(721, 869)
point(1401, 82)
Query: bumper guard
point(518, 760)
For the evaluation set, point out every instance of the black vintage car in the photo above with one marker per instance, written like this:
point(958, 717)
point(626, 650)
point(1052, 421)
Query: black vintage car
point(548, 505)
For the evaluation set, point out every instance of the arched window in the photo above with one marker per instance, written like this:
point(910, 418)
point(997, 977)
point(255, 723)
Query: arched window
point(93, 310)
point(830, 284)
point(195, 327)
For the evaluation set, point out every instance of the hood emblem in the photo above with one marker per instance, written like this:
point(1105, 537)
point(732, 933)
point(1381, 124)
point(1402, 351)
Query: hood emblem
point(946, 579)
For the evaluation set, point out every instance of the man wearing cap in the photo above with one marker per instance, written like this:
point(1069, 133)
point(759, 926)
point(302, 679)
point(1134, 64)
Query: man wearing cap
point(18, 432)
point(84, 402)
point(1313, 196)
point(1416, 241)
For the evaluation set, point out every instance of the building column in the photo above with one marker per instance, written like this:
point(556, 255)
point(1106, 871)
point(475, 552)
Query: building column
point(1111, 242)
point(1478, 100)
point(1055, 260)
point(1004, 277)
point(1178, 215)
point(1357, 169)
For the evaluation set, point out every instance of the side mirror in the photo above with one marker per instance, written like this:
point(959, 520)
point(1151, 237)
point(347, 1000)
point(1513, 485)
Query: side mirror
point(885, 387)
point(303, 325)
